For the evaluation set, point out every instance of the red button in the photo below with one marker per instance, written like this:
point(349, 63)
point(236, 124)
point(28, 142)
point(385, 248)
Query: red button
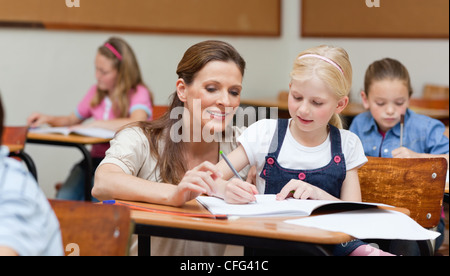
point(301, 176)
point(264, 172)
point(270, 161)
point(337, 159)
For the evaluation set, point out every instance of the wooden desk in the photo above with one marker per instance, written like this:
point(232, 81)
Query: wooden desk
point(71, 140)
point(252, 233)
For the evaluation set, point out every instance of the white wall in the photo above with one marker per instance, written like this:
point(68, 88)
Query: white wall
point(50, 71)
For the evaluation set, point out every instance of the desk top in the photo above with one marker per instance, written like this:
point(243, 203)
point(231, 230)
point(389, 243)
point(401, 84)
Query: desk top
point(71, 138)
point(352, 108)
point(264, 227)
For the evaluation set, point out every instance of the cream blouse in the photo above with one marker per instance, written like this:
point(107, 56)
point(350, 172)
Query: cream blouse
point(130, 150)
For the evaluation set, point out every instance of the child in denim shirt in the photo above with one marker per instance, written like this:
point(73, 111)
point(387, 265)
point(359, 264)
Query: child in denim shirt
point(387, 91)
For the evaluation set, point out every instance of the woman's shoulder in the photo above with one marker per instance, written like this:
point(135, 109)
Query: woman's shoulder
point(130, 134)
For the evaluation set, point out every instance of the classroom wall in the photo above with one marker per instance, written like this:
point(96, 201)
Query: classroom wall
point(50, 71)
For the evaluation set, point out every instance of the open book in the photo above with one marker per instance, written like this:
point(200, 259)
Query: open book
point(267, 205)
point(84, 131)
point(358, 219)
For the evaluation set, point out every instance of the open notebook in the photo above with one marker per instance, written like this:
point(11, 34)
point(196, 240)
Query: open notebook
point(84, 131)
point(267, 205)
point(357, 219)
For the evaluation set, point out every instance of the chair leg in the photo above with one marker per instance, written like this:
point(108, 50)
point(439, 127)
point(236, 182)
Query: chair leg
point(426, 248)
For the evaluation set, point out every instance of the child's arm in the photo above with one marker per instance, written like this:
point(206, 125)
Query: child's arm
point(235, 190)
point(351, 190)
point(38, 119)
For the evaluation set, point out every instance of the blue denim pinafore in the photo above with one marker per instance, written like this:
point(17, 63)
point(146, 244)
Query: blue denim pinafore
point(328, 178)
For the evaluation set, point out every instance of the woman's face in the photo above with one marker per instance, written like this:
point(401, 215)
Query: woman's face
point(105, 73)
point(213, 96)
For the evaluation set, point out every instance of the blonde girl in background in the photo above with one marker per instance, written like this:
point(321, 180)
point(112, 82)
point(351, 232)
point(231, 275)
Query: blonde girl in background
point(119, 97)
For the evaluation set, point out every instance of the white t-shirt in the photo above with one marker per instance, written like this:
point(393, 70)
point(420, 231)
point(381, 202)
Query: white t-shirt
point(257, 138)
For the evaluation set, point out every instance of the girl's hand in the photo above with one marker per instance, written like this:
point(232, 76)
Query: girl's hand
point(37, 119)
point(298, 189)
point(239, 192)
point(199, 180)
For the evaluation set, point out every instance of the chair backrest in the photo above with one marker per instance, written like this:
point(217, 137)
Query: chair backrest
point(159, 110)
point(431, 91)
point(413, 183)
point(429, 103)
point(15, 136)
point(93, 229)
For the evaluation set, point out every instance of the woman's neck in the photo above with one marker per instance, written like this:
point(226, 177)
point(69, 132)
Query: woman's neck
point(198, 152)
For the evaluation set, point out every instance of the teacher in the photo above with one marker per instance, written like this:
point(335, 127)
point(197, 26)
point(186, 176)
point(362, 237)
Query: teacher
point(170, 160)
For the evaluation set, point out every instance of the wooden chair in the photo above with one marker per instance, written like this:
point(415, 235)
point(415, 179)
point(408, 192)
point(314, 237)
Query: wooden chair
point(435, 92)
point(414, 183)
point(15, 137)
point(159, 110)
point(429, 103)
point(93, 229)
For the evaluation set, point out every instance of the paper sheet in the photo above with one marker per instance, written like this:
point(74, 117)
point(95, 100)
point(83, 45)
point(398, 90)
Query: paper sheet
point(370, 224)
point(85, 131)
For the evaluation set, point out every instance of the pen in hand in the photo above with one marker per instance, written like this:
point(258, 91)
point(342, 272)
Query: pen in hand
point(402, 123)
point(230, 165)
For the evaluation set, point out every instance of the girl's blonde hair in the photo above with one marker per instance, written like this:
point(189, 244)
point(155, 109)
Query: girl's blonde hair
point(128, 77)
point(331, 65)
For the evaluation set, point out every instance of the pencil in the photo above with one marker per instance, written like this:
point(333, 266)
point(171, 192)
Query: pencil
point(402, 123)
point(230, 165)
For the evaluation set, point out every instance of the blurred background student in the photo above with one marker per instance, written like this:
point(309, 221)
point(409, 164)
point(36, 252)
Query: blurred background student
point(386, 95)
point(119, 97)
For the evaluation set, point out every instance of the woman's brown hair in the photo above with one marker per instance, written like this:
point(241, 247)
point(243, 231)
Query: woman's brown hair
point(128, 77)
point(170, 159)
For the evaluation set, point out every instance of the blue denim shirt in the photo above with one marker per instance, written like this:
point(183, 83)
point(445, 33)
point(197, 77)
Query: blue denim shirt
point(421, 134)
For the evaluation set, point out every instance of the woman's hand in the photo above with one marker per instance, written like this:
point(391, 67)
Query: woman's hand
point(199, 180)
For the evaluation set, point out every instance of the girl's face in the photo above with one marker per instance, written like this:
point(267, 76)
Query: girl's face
point(387, 100)
point(105, 73)
point(213, 96)
point(311, 105)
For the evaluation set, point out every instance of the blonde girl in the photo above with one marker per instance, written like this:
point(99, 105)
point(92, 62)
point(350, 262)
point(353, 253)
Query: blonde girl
point(308, 156)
